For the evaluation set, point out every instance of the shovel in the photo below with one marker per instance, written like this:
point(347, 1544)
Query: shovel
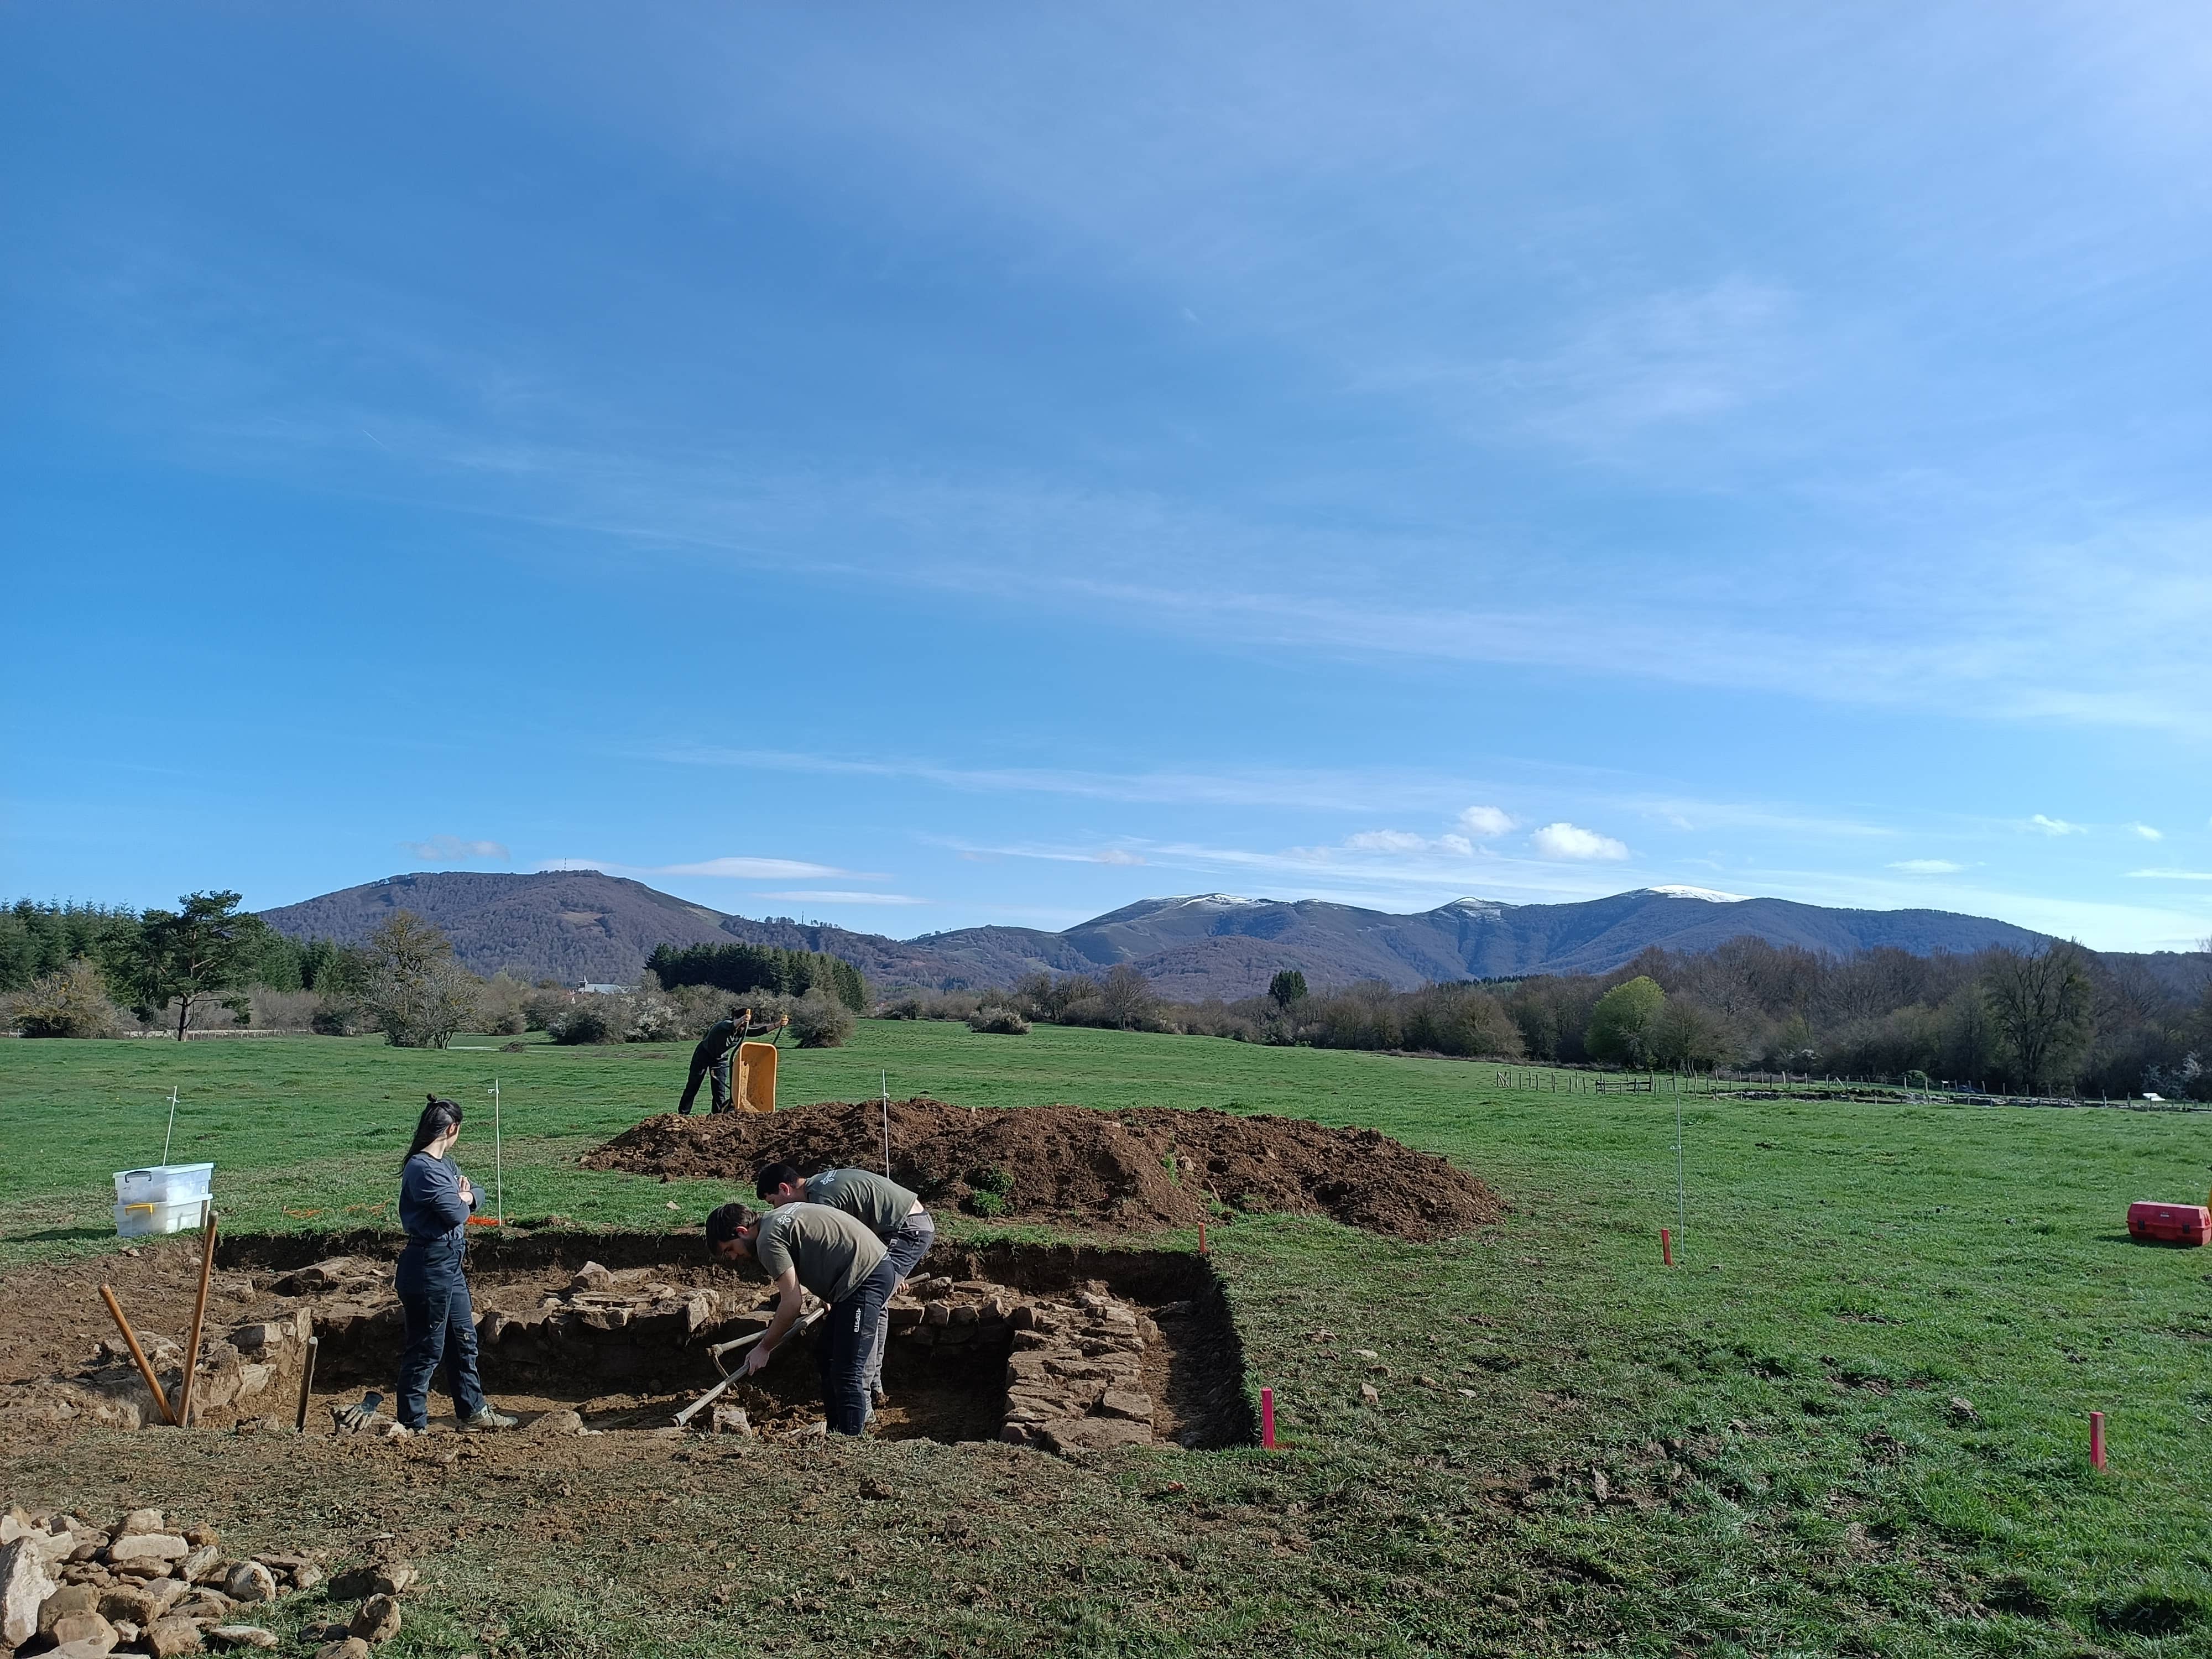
point(715, 1353)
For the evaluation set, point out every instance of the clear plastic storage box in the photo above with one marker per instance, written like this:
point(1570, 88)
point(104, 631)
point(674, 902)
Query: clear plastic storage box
point(168, 1198)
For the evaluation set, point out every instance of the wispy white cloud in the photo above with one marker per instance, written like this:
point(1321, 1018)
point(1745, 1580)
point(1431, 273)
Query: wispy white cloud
point(2170, 875)
point(1659, 359)
point(727, 869)
point(751, 869)
point(1568, 841)
point(838, 897)
point(452, 849)
point(1338, 197)
point(1117, 855)
point(2050, 826)
point(1378, 875)
point(1404, 840)
point(2147, 832)
point(1928, 866)
point(1338, 790)
point(1342, 791)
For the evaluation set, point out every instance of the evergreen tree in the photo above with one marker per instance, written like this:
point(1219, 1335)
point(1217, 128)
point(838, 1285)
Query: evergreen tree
point(205, 951)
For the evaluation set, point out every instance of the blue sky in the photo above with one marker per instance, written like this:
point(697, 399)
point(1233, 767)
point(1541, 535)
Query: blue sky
point(921, 466)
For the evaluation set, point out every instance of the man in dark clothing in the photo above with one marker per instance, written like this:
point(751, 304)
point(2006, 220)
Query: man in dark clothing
point(711, 1059)
point(888, 1210)
point(830, 1254)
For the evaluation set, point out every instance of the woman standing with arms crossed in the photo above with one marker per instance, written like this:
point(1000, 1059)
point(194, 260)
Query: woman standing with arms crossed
point(435, 1201)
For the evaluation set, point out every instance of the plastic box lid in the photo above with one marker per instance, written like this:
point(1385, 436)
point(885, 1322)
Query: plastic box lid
point(162, 1183)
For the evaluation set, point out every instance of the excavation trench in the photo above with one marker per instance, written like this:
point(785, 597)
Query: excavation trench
point(1058, 1347)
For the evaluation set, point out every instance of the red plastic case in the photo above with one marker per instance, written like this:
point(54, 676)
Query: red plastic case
point(2170, 1223)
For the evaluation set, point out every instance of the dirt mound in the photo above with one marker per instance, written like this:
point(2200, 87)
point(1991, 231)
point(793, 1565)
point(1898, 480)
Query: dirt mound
point(1136, 1170)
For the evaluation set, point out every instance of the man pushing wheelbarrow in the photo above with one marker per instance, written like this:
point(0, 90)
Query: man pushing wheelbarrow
point(711, 1059)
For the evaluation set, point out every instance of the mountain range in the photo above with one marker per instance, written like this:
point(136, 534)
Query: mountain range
point(579, 925)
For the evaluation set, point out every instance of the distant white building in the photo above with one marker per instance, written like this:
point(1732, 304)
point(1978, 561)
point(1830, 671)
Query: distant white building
point(589, 989)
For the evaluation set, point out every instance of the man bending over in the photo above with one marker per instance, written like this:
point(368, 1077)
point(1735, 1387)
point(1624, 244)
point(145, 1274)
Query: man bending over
point(710, 1058)
point(833, 1255)
point(888, 1210)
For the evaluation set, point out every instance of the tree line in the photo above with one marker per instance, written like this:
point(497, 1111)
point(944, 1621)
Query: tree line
point(82, 971)
point(37, 939)
point(2059, 1020)
point(742, 967)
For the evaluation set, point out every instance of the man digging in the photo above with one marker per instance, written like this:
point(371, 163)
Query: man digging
point(885, 1208)
point(839, 1259)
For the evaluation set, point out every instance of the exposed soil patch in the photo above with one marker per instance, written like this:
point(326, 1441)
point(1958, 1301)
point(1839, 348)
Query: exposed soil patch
point(1138, 1171)
point(1057, 1348)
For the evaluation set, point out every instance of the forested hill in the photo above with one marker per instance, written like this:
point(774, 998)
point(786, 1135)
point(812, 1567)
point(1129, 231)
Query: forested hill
point(580, 925)
point(575, 925)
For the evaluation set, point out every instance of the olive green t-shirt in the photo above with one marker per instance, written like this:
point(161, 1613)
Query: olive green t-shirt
point(880, 1203)
point(833, 1252)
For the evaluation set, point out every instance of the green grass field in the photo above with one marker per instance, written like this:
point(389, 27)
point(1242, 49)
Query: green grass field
point(1773, 1419)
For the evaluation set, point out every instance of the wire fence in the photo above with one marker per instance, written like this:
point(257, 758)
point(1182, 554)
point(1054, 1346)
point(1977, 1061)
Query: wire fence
point(1729, 1084)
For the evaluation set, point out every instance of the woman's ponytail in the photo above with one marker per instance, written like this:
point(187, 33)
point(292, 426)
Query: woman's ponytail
point(437, 1116)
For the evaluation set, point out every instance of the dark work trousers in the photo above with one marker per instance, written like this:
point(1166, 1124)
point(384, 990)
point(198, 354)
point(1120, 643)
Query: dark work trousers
point(904, 1251)
point(848, 1329)
point(441, 1325)
point(720, 1070)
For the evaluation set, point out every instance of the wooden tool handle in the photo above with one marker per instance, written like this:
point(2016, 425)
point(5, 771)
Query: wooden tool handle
point(130, 1339)
point(199, 1316)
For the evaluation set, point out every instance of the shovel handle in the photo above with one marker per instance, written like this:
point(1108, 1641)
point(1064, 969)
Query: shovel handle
point(130, 1340)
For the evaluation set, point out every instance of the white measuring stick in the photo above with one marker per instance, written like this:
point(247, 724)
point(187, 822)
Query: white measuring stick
point(498, 1161)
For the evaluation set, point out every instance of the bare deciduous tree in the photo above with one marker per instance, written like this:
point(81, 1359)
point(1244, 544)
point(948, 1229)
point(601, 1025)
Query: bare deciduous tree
point(2042, 1007)
point(420, 995)
point(1127, 995)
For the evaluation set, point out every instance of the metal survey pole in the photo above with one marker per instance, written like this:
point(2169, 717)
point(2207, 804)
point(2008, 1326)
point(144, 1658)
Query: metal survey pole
point(172, 1134)
point(887, 1124)
point(1682, 1197)
point(498, 1161)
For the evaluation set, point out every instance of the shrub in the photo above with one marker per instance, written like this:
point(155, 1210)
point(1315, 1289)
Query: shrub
point(587, 1019)
point(652, 1015)
point(1040, 996)
point(70, 1002)
point(990, 1192)
point(998, 1022)
point(933, 1004)
point(1214, 1018)
point(699, 1006)
point(501, 1005)
point(543, 1003)
point(339, 1014)
point(821, 1022)
point(285, 1011)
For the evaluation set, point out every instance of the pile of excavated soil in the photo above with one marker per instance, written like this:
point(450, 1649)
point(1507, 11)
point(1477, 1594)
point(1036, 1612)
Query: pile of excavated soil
point(1138, 1171)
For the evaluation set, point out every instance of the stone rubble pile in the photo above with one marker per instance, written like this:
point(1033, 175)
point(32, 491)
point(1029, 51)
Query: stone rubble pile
point(247, 1371)
point(69, 1590)
point(604, 1299)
